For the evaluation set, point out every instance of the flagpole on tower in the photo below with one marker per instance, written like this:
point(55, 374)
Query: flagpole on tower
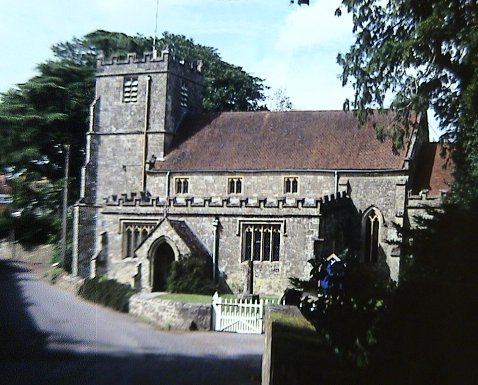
point(155, 51)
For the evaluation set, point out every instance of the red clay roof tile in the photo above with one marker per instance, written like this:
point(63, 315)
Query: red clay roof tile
point(434, 170)
point(293, 140)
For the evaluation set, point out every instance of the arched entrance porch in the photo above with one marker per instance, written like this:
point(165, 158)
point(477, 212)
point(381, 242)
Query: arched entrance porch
point(162, 256)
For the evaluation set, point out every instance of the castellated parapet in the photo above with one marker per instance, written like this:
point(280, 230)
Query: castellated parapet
point(425, 199)
point(166, 61)
point(134, 199)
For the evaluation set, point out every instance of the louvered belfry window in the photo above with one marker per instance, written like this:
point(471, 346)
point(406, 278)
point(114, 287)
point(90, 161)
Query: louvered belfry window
point(130, 89)
point(184, 96)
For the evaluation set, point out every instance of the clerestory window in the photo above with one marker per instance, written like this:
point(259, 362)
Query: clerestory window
point(261, 242)
point(291, 185)
point(182, 185)
point(234, 185)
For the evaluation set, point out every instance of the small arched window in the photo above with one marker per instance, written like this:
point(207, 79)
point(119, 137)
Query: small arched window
point(372, 231)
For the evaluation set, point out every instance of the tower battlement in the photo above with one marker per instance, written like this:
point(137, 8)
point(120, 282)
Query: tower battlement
point(166, 61)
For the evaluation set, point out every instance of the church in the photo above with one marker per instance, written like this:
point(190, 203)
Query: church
point(257, 194)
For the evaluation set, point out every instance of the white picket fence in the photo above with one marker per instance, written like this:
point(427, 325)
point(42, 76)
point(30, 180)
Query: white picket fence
point(238, 315)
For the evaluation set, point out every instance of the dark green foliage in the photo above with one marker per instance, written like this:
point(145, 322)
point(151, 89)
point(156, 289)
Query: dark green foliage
point(227, 87)
point(191, 275)
point(445, 247)
point(33, 214)
point(107, 292)
point(347, 321)
point(429, 333)
point(424, 55)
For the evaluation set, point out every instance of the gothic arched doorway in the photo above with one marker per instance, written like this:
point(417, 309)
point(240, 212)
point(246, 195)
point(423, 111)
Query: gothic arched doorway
point(162, 259)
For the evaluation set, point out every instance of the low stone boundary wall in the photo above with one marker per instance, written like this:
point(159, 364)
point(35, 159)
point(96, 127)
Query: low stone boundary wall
point(168, 314)
point(69, 283)
point(15, 251)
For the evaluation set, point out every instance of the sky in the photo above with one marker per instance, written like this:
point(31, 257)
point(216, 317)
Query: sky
point(292, 48)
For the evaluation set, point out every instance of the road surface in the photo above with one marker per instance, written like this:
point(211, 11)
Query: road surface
point(51, 337)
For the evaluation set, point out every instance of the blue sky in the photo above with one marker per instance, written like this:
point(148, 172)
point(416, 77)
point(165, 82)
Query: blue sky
point(291, 47)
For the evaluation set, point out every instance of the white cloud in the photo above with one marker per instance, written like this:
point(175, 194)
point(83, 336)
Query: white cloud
point(314, 26)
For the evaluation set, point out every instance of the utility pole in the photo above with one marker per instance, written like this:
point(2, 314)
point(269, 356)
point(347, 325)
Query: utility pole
point(65, 207)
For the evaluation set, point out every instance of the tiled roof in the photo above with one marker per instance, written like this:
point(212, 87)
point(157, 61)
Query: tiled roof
point(292, 140)
point(434, 169)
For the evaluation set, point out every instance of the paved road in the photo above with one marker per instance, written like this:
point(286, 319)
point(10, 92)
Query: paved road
point(51, 337)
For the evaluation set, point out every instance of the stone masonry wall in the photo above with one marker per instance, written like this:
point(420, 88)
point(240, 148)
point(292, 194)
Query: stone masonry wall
point(298, 214)
point(387, 193)
point(167, 314)
point(254, 184)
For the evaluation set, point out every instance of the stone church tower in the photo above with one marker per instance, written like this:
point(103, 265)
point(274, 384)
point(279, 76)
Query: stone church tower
point(138, 108)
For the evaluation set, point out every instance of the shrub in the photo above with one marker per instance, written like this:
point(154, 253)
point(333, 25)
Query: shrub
point(192, 275)
point(107, 292)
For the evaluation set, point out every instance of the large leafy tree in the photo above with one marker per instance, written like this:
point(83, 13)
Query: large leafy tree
point(39, 117)
point(412, 55)
point(422, 55)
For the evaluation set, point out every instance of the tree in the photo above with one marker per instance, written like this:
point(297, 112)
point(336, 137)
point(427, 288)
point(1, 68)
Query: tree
point(425, 55)
point(33, 214)
point(51, 110)
point(227, 87)
point(279, 101)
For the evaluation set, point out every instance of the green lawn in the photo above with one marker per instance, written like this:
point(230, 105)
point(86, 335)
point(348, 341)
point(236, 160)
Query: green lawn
point(188, 298)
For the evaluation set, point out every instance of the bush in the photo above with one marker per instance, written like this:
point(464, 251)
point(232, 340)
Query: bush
point(107, 292)
point(192, 275)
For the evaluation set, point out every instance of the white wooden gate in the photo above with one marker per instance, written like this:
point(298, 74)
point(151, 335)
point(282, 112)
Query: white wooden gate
point(238, 315)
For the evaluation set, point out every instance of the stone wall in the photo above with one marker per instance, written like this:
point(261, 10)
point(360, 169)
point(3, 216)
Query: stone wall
point(257, 184)
point(298, 217)
point(37, 255)
point(301, 216)
point(167, 314)
point(418, 206)
point(69, 283)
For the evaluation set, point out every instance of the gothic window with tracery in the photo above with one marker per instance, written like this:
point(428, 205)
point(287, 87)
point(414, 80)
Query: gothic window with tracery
point(134, 233)
point(261, 242)
point(372, 230)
